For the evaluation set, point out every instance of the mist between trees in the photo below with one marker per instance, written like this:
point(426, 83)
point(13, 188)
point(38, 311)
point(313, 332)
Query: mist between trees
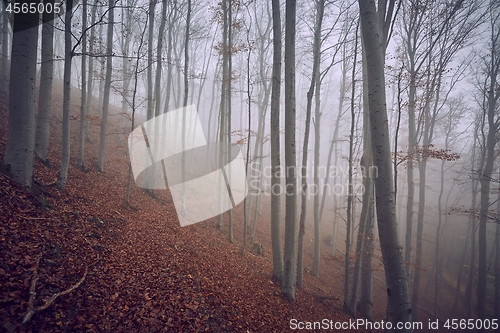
point(374, 122)
point(335, 182)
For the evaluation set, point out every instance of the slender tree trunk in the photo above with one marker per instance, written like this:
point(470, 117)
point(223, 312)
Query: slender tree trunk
point(90, 81)
point(45, 92)
point(107, 89)
point(83, 106)
point(63, 173)
point(375, 37)
point(185, 100)
point(230, 70)
point(290, 259)
point(134, 94)
point(275, 145)
point(247, 161)
point(349, 215)
point(151, 34)
point(364, 243)
point(159, 53)
point(169, 61)
point(485, 181)
point(366, 301)
point(320, 7)
point(420, 230)
point(223, 135)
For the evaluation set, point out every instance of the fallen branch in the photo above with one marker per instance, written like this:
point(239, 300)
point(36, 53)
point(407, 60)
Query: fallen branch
point(31, 300)
point(117, 212)
point(31, 310)
point(322, 299)
point(38, 218)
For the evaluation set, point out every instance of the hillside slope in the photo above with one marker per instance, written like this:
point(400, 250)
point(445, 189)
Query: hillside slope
point(144, 272)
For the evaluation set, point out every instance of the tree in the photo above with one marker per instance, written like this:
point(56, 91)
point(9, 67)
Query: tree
point(68, 56)
point(275, 144)
point(491, 94)
point(364, 243)
point(19, 154)
point(45, 92)
point(83, 104)
point(375, 25)
point(290, 257)
point(350, 194)
point(107, 88)
point(320, 9)
point(223, 130)
point(159, 52)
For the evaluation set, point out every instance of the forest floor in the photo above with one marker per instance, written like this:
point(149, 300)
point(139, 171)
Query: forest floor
point(141, 271)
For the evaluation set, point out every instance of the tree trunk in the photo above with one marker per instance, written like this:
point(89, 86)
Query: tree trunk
point(485, 180)
point(68, 57)
point(45, 92)
point(375, 37)
point(83, 106)
point(364, 244)
point(90, 81)
point(275, 145)
point(320, 7)
point(107, 89)
point(349, 213)
point(19, 154)
point(159, 52)
point(228, 108)
point(223, 135)
point(290, 259)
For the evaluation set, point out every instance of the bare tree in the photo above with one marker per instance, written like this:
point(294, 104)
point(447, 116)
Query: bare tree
point(350, 194)
point(107, 88)
point(320, 9)
point(83, 104)
point(68, 56)
point(290, 257)
point(45, 92)
point(19, 154)
point(275, 144)
point(375, 26)
point(491, 95)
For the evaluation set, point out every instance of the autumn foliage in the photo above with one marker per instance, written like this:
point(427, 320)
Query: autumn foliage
point(141, 271)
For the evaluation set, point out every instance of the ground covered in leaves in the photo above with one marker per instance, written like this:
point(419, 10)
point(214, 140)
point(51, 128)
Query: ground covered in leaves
point(142, 271)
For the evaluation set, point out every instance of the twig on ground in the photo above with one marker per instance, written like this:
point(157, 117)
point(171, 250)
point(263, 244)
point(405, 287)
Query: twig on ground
point(31, 309)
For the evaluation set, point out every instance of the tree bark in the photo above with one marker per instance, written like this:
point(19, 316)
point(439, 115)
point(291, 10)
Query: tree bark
point(45, 91)
point(374, 26)
point(68, 57)
point(83, 106)
point(290, 258)
point(275, 145)
point(107, 89)
point(19, 154)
